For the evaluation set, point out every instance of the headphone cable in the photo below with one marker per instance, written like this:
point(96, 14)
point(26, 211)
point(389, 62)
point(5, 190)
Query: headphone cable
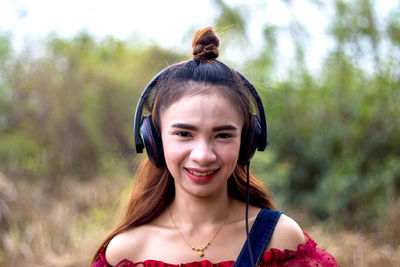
point(247, 214)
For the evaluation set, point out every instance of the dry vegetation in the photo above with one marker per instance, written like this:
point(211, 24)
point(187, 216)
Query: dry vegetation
point(57, 224)
point(61, 223)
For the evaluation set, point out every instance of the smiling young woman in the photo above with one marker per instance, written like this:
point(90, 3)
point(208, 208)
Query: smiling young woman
point(188, 205)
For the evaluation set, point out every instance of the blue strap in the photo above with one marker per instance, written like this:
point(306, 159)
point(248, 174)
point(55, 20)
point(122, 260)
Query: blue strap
point(260, 234)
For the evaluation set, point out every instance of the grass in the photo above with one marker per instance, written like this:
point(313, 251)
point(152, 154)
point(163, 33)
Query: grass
point(61, 222)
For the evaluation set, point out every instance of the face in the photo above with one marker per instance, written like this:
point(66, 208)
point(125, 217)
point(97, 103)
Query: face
point(201, 141)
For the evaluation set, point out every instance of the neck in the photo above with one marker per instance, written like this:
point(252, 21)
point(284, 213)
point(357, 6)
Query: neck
point(198, 211)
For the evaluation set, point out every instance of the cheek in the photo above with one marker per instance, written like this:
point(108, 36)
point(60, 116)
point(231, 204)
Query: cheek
point(170, 145)
point(174, 153)
point(231, 153)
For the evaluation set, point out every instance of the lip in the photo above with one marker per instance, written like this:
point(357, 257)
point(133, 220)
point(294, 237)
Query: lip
point(201, 176)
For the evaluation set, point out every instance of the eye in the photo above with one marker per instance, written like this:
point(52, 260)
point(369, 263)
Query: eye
point(224, 135)
point(183, 134)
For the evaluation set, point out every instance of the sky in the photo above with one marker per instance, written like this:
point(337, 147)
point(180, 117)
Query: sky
point(163, 21)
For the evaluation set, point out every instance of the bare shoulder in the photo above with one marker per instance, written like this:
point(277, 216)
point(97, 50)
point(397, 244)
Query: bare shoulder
point(123, 245)
point(287, 234)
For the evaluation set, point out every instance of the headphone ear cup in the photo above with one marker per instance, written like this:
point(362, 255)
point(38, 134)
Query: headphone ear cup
point(250, 141)
point(152, 141)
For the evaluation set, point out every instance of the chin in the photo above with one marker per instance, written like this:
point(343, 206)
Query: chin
point(204, 191)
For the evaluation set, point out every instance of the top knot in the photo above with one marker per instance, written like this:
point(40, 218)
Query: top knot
point(205, 44)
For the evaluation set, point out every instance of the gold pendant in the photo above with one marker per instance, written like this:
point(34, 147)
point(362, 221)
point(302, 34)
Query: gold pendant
point(200, 253)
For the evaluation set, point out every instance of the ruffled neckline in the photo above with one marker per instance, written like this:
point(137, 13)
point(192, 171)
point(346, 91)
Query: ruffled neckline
point(306, 254)
point(203, 263)
point(272, 254)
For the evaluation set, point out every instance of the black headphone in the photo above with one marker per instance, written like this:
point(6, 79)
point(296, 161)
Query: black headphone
point(147, 136)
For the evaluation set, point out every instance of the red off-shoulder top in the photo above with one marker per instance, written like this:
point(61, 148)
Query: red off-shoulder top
point(306, 255)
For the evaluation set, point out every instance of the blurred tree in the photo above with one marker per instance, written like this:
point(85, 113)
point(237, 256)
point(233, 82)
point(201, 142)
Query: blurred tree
point(230, 19)
point(336, 134)
point(5, 53)
point(70, 108)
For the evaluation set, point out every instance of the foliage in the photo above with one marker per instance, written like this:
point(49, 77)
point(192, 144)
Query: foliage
point(69, 111)
point(335, 135)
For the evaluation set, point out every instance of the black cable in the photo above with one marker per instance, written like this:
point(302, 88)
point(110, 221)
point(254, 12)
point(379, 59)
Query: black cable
point(247, 214)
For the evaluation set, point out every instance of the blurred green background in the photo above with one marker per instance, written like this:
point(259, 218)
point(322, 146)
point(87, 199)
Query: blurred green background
point(333, 163)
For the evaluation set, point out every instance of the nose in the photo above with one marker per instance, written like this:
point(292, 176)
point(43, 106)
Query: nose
point(203, 153)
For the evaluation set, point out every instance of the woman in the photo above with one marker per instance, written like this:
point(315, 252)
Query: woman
point(188, 205)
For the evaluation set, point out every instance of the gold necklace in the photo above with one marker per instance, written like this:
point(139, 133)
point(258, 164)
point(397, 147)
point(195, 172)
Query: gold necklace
point(200, 251)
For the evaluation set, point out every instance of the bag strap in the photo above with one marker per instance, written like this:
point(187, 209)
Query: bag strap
point(259, 236)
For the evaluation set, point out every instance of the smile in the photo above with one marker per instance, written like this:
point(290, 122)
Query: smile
point(200, 173)
point(201, 177)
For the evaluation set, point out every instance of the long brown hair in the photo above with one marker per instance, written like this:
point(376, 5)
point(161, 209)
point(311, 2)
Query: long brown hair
point(154, 187)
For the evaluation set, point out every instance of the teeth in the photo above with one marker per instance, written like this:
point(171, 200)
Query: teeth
point(200, 173)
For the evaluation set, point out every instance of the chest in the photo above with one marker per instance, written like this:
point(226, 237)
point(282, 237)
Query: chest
point(173, 247)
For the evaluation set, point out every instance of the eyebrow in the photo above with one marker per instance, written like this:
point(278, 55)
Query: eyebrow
point(227, 127)
point(224, 128)
point(184, 126)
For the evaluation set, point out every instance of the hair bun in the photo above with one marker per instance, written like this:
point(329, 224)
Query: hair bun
point(205, 44)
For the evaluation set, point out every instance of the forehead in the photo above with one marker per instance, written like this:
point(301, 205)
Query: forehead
point(204, 109)
point(175, 91)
